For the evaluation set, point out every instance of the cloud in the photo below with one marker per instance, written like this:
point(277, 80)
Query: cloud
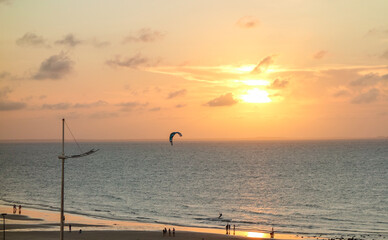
point(103, 115)
point(6, 105)
point(54, 67)
point(129, 106)
point(366, 80)
point(155, 109)
point(132, 62)
point(99, 44)
point(90, 105)
point(178, 93)
point(6, 2)
point(4, 75)
point(180, 105)
point(263, 65)
point(279, 84)
point(341, 93)
point(223, 100)
point(385, 55)
point(57, 106)
point(320, 54)
point(377, 32)
point(64, 106)
point(4, 92)
point(69, 40)
point(31, 39)
point(247, 22)
point(144, 35)
point(367, 97)
point(10, 106)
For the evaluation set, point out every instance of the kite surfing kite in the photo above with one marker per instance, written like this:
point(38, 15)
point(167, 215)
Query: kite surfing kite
point(173, 134)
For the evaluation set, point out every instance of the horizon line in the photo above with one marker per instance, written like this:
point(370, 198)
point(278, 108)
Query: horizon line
point(193, 139)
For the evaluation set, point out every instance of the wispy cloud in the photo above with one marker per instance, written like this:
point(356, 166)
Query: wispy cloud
point(55, 67)
point(341, 93)
point(377, 32)
point(223, 100)
point(57, 106)
point(132, 62)
point(11, 106)
point(367, 97)
point(5, 2)
point(4, 75)
point(32, 40)
point(7, 105)
point(99, 44)
point(155, 109)
point(366, 80)
point(69, 40)
point(178, 93)
point(247, 22)
point(129, 106)
point(180, 105)
point(385, 55)
point(144, 35)
point(278, 84)
point(90, 105)
point(263, 65)
point(319, 55)
point(64, 105)
point(4, 92)
point(103, 115)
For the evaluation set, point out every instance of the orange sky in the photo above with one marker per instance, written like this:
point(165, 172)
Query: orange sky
point(210, 69)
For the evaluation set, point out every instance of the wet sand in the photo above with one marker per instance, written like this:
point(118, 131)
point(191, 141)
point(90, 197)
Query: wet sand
point(118, 235)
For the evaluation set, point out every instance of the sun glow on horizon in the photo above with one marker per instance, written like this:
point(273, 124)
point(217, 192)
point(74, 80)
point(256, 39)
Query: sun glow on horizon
point(255, 82)
point(255, 235)
point(256, 96)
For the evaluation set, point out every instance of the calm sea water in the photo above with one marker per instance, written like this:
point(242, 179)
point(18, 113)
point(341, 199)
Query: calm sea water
point(299, 187)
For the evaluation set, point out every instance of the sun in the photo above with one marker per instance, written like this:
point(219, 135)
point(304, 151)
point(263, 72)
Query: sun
point(255, 235)
point(255, 95)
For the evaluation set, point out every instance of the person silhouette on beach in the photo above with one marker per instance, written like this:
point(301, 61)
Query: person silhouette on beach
point(234, 229)
point(169, 232)
point(69, 227)
point(20, 209)
point(173, 232)
point(272, 233)
point(14, 208)
point(226, 228)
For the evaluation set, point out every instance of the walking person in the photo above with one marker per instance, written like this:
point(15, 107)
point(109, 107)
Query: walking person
point(20, 209)
point(272, 234)
point(234, 229)
point(226, 229)
point(173, 232)
point(14, 209)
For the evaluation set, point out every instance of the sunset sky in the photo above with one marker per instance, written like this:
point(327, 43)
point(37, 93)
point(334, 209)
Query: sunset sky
point(214, 69)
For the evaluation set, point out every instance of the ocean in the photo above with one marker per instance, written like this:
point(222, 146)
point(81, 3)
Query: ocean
point(328, 188)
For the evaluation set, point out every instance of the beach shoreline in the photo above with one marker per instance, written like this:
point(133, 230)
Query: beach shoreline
point(44, 224)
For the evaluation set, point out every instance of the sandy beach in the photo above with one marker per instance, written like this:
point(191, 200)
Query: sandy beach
point(118, 235)
point(41, 224)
